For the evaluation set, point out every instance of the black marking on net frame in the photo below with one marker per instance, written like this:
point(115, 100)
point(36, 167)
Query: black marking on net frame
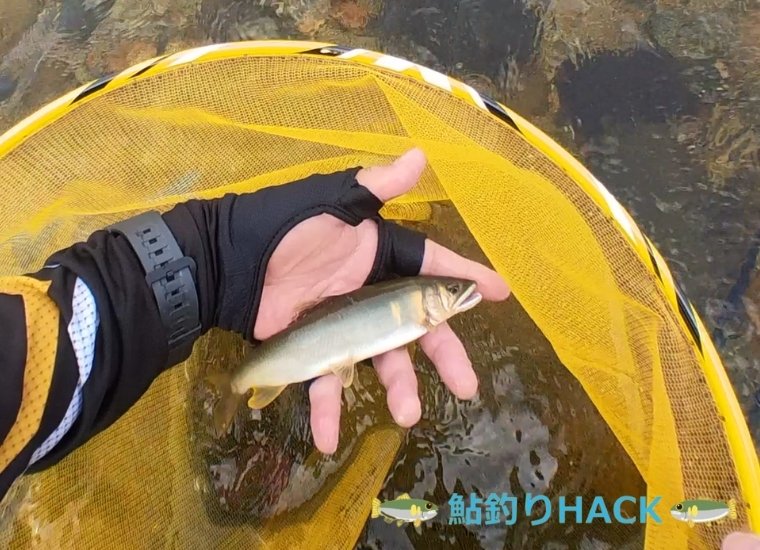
point(149, 67)
point(684, 308)
point(493, 107)
point(653, 259)
point(99, 84)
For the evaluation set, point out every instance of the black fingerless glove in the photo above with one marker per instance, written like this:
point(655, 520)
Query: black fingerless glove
point(225, 246)
point(232, 239)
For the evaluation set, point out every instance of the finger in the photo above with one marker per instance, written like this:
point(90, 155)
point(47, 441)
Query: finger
point(324, 395)
point(741, 541)
point(439, 260)
point(447, 353)
point(396, 373)
point(392, 180)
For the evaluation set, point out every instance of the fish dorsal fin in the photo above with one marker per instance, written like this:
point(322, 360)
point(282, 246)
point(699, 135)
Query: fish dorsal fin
point(405, 496)
point(346, 374)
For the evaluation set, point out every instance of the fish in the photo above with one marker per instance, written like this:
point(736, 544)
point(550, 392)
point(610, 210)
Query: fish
point(337, 333)
point(703, 511)
point(404, 509)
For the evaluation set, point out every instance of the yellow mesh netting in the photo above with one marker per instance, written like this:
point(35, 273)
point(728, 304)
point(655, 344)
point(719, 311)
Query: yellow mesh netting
point(239, 124)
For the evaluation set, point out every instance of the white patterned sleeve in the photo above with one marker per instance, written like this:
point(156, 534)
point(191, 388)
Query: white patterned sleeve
point(82, 329)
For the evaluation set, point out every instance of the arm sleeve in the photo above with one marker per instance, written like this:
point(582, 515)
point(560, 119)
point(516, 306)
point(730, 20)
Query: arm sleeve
point(81, 342)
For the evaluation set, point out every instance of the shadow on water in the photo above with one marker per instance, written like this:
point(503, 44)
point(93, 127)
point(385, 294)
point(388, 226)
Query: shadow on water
point(658, 98)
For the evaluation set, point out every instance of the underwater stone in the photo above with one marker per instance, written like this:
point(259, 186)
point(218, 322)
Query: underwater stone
point(256, 29)
point(7, 86)
point(79, 18)
point(693, 34)
point(614, 88)
point(481, 34)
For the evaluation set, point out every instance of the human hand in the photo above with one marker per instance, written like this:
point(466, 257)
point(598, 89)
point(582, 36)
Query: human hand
point(741, 541)
point(323, 256)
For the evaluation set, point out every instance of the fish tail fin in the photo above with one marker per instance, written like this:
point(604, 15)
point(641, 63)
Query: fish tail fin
point(375, 507)
point(229, 401)
point(732, 509)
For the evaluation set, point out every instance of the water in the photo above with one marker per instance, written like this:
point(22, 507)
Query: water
point(659, 98)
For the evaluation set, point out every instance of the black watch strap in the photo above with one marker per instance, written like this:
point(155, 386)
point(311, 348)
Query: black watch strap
point(171, 276)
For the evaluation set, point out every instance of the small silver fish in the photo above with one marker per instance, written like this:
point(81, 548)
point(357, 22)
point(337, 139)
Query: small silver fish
point(337, 334)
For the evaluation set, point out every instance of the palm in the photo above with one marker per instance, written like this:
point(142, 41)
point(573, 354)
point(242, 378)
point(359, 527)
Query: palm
point(323, 257)
point(320, 257)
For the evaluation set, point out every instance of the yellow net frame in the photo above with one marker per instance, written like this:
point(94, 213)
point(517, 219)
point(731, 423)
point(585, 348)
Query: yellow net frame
point(720, 459)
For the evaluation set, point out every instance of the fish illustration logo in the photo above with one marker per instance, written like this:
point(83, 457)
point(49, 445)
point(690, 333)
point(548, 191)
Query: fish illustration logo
point(404, 509)
point(703, 511)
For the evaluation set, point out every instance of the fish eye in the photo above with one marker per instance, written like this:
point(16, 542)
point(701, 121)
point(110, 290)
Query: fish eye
point(452, 288)
point(679, 506)
point(428, 506)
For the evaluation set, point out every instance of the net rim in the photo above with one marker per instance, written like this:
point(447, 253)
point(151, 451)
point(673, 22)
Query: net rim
point(746, 461)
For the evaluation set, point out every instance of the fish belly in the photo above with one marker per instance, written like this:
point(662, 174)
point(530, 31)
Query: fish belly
point(344, 338)
point(711, 515)
point(397, 513)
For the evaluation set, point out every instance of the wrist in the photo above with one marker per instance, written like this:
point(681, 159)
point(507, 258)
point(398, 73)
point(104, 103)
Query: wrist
point(170, 276)
point(193, 224)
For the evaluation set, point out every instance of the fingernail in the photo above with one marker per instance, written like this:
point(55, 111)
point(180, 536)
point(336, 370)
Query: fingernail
point(408, 414)
point(329, 443)
point(466, 388)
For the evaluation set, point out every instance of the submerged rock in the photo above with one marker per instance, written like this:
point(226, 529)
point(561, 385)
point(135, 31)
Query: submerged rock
point(694, 34)
point(611, 88)
point(15, 20)
point(225, 21)
point(7, 86)
point(481, 34)
point(79, 18)
point(573, 29)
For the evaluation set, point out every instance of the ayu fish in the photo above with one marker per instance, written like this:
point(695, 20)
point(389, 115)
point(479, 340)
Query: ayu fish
point(338, 333)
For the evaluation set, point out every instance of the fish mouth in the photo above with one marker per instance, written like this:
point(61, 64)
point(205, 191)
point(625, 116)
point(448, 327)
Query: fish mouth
point(468, 300)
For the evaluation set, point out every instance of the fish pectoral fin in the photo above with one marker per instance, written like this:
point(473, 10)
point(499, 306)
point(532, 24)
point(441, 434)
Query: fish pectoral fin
point(417, 522)
point(346, 374)
point(264, 395)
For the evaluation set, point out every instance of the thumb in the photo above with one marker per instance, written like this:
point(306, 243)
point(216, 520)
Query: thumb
point(392, 180)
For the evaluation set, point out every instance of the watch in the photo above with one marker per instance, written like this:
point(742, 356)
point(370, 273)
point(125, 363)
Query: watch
point(170, 275)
